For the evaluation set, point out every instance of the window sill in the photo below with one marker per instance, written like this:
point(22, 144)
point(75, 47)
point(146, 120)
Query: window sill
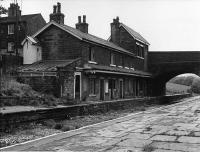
point(140, 57)
point(92, 95)
point(120, 67)
point(112, 65)
point(92, 62)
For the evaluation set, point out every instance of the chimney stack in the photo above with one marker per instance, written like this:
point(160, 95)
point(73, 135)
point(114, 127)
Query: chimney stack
point(79, 19)
point(59, 7)
point(115, 31)
point(54, 9)
point(14, 10)
point(82, 26)
point(57, 16)
point(84, 18)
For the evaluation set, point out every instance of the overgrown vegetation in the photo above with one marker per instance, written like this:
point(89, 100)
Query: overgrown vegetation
point(26, 95)
point(17, 134)
point(148, 148)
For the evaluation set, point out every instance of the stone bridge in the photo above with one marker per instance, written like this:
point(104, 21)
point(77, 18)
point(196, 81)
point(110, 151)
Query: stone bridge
point(166, 65)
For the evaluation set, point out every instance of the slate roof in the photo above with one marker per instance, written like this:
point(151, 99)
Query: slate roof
point(45, 66)
point(116, 69)
point(13, 19)
point(134, 34)
point(85, 37)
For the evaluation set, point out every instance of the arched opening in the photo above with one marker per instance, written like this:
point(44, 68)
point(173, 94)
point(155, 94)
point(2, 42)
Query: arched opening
point(183, 83)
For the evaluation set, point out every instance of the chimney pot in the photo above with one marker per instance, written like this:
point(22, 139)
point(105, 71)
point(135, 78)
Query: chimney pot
point(59, 7)
point(84, 18)
point(117, 18)
point(79, 19)
point(54, 8)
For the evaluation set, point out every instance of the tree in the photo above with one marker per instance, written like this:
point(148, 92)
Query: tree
point(3, 10)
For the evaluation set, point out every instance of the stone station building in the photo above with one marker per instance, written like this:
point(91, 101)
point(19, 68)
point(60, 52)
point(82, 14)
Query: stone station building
point(77, 65)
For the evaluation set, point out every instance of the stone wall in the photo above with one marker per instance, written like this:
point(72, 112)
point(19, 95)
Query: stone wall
point(10, 119)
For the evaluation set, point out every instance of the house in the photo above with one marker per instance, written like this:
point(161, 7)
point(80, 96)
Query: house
point(81, 66)
point(13, 30)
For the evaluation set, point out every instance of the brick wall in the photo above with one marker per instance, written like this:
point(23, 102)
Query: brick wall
point(59, 45)
point(102, 57)
point(34, 24)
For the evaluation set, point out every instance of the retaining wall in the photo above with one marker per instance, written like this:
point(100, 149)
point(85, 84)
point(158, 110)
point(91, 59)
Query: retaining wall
point(10, 119)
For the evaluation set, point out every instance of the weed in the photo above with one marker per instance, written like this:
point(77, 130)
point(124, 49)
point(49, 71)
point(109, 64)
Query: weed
point(58, 126)
point(67, 128)
point(148, 129)
point(148, 148)
point(49, 123)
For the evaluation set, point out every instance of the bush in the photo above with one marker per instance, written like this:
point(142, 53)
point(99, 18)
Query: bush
point(196, 85)
point(58, 126)
point(67, 128)
point(10, 87)
point(49, 123)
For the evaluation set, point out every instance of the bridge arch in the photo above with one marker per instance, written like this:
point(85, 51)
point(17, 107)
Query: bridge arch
point(166, 65)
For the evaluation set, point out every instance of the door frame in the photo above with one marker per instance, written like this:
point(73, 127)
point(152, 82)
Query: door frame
point(79, 74)
point(102, 79)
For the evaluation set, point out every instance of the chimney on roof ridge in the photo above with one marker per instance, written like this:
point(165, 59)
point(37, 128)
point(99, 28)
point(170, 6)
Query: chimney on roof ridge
point(57, 16)
point(84, 18)
point(82, 26)
point(54, 8)
point(14, 10)
point(115, 31)
point(59, 7)
point(79, 19)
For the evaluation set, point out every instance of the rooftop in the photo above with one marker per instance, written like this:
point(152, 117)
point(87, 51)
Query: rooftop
point(115, 70)
point(45, 66)
point(13, 19)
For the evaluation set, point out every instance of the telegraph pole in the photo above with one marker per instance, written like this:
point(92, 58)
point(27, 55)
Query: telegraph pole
point(16, 28)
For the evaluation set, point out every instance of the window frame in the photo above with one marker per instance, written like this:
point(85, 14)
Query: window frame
point(92, 86)
point(11, 29)
point(112, 59)
point(91, 54)
point(13, 45)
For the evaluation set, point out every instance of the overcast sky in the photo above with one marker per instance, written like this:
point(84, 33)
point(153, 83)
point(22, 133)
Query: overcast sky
point(168, 25)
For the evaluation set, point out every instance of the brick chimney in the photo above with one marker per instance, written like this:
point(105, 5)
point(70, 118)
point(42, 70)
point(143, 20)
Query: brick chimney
point(57, 16)
point(14, 10)
point(115, 31)
point(82, 26)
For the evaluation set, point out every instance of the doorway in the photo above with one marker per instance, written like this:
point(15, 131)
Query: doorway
point(102, 89)
point(121, 88)
point(77, 86)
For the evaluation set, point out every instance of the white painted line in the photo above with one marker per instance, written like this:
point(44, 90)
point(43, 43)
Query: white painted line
point(75, 131)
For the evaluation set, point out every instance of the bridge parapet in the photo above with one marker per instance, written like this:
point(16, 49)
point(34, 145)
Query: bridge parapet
point(166, 65)
point(173, 56)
